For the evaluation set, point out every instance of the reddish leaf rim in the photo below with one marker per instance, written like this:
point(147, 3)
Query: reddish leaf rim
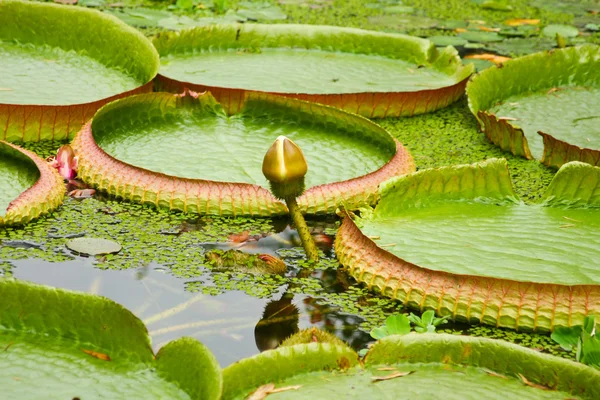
point(107, 173)
point(370, 105)
point(34, 121)
point(45, 195)
point(492, 301)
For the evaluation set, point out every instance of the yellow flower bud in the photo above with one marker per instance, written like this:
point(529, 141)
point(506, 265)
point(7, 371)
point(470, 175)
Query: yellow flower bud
point(284, 162)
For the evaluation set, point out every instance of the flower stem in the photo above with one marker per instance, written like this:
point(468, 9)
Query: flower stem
point(307, 240)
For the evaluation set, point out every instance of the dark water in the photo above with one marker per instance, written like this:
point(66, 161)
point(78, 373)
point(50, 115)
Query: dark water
point(233, 325)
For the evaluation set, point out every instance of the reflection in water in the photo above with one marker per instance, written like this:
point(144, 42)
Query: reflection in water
point(226, 323)
point(279, 321)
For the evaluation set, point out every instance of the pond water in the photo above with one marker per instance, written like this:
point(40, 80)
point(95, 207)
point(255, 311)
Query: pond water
point(232, 324)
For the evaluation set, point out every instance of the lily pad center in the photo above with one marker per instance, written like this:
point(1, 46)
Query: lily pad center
point(302, 71)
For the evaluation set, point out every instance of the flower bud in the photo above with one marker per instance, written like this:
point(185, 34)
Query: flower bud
point(284, 162)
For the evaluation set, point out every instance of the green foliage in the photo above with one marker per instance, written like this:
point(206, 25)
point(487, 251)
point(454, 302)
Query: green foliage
point(583, 339)
point(394, 325)
point(427, 322)
point(400, 324)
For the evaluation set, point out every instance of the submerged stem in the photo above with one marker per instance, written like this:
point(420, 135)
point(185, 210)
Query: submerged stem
point(307, 240)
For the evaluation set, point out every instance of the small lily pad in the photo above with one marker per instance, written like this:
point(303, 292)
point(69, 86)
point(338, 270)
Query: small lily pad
point(93, 246)
point(480, 65)
point(562, 30)
point(448, 40)
point(481, 36)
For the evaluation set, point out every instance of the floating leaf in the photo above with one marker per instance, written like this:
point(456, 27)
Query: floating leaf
point(425, 365)
point(93, 246)
point(117, 153)
point(61, 70)
point(479, 64)
point(43, 331)
point(448, 40)
point(530, 89)
point(481, 36)
point(464, 227)
point(370, 73)
point(563, 30)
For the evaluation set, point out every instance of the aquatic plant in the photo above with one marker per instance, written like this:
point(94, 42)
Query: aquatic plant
point(373, 74)
point(457, 240)
point(542, 105)
point(52, 338)
point(410, 366)
point(285, 167)
point(198, 172)
point(583, 339)
point(57, 71)
point(400, 324)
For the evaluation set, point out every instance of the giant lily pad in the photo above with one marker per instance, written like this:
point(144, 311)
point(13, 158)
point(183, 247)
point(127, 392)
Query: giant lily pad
point(415, 366)
point(186, 153)
point(29, 186)
point(60, 64)
point(66, 345)
point(370, 73)
point(543, 105)
point(459, 241)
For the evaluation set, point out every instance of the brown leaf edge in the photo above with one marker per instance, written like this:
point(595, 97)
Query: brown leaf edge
point(558, 152)
point(367, 104)
point(104, 172)
point(504, 135)
point(33, 123)
point(492, 301)
point(46, 194)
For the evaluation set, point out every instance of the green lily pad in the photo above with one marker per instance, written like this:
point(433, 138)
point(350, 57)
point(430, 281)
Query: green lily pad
point(402, 23)
point(480, 65)
point(562, 30)
point(411, 367)
point(448, 40)
point(518, 47)
point(93, 246)
point(481, 36)
point(386, 74)
point(270, 13)
point(62, 344)
point(457, 239)
point(517, 105)
point(140, 17)
point(54, 56)
point(29, 186)
point(187, 153)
